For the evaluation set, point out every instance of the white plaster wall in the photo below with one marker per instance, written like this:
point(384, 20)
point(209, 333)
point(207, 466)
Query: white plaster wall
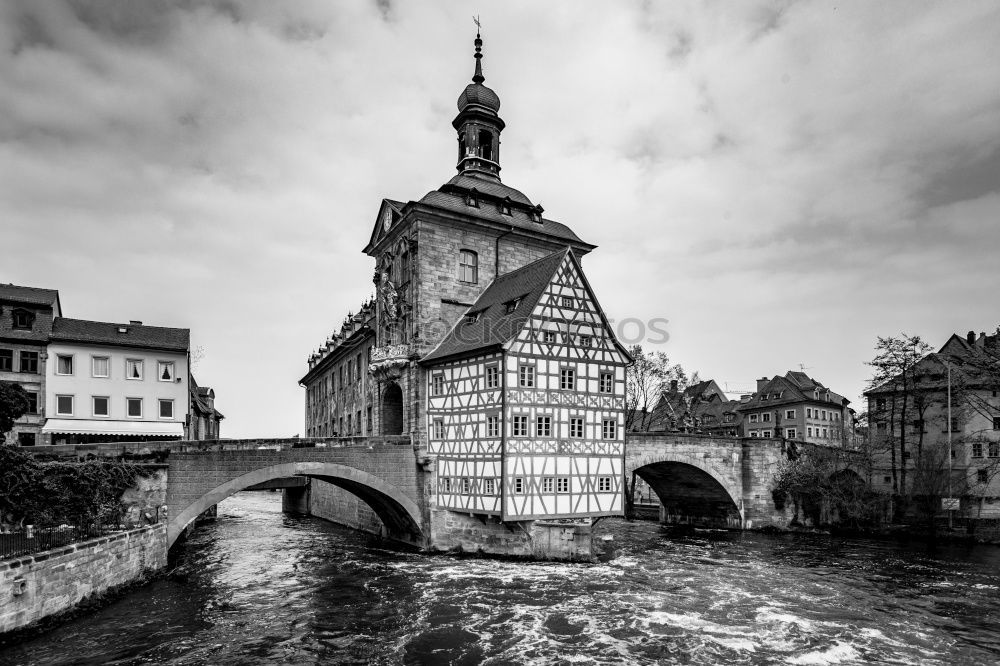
point(83, 385)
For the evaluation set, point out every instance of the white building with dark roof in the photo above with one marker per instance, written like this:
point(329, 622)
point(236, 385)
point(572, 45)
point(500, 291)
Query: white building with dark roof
point(107, 381)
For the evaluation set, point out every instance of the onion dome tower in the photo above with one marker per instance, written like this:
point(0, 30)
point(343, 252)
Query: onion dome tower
point(479, 125)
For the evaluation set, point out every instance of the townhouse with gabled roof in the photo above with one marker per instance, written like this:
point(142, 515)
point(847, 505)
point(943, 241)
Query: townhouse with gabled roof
point(795, 406)
point(26, 316)
point(92, 381)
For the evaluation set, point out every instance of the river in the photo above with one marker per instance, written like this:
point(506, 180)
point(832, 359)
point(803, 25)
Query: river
point(260, 587)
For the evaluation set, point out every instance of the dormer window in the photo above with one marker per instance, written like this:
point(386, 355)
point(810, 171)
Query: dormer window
point(505, 206)
point(511, 306)
point(472, 317)
point(472, 199)
point(22, 318)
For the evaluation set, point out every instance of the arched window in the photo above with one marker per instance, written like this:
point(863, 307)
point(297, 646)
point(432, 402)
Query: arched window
point(468, 266)
point(485, 145)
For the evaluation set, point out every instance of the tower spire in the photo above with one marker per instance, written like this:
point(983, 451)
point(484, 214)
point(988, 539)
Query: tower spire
point(478, 76)
point(478, 123)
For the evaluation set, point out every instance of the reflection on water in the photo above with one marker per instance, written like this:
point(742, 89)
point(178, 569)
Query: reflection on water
point(261, 587)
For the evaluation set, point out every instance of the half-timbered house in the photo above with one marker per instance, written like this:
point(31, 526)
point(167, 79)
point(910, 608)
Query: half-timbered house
point(525, 400)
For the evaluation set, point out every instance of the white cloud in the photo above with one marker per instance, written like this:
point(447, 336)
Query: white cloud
point(783, 182)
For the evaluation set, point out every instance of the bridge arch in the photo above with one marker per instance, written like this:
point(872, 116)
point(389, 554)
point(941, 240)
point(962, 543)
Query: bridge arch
point(692, 486)
point(399, 513)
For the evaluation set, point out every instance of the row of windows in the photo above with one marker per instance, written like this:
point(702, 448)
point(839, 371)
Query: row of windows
point(560, 484)
point(811, 413)
point(351, 427)
point(28, 361)
point(348, 373)
point(100, 366)
point(462, 485)
point(582, 339)
point(793, 433)
point(543, 427)
point(100, 406)
point(993, 449)
point(526, 377)
point(822, 414)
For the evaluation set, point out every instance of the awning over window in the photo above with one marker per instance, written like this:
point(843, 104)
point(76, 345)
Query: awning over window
point(98, 427)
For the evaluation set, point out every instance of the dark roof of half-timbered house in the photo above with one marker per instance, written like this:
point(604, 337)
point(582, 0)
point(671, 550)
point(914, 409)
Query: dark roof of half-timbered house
point(487, 324)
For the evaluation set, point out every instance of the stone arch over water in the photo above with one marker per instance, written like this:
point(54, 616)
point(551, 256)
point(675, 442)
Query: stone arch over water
point(692, 490)
point(400, 514)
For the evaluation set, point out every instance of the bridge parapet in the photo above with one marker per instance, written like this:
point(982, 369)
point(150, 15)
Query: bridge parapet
point(165, 447)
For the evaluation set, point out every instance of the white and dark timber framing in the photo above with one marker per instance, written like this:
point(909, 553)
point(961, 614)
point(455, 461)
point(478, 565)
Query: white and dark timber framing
point(526, 400)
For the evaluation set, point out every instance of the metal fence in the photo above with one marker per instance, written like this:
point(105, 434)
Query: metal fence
point(31, 539)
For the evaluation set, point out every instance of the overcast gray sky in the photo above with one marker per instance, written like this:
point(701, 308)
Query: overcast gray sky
point(782, 182)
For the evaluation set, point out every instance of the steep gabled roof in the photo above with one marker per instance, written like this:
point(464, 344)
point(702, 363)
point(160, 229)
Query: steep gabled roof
point(135, 335)
point(32, 295)
point(493, 325)
point(199, 399)
point(794, 387)
point(487, 325)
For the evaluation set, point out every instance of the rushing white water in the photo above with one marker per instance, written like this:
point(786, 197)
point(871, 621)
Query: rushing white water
point(260, 587)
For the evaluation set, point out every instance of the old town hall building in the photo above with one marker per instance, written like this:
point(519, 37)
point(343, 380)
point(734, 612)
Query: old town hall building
point(485, 345)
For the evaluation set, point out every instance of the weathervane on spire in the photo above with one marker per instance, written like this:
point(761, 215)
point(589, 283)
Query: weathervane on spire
point(478, 76)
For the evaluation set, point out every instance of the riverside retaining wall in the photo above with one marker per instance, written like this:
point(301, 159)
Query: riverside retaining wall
point(50, 582)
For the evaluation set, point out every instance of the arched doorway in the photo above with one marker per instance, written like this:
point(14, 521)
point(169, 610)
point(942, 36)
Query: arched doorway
point(392, 410)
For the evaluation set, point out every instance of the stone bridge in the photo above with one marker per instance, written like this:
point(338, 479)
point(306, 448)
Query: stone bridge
point(710, 481)
point(380, 485)
point(382, 476)
point(384, 485)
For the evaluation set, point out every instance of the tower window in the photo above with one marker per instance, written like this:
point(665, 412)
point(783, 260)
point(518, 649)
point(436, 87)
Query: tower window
point(461, 147)
point(468, 266)
point(486, 145)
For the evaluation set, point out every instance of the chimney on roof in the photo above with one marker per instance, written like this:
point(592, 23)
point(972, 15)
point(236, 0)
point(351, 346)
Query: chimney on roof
point(134, 322)
point(970, 337)
point(761, 383)
point(981, 341)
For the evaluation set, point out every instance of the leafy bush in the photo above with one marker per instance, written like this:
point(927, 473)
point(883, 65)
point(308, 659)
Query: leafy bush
point(83, 494)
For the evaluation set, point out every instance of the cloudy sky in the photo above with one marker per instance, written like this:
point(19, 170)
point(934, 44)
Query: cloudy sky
point(782, 182)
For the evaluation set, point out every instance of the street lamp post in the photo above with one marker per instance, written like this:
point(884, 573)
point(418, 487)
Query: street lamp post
point(950, 454)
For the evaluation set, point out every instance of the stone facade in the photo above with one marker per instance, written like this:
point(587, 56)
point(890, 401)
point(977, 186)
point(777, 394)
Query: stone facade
point(339, 390)
point(26, 316)
point(56, 580)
